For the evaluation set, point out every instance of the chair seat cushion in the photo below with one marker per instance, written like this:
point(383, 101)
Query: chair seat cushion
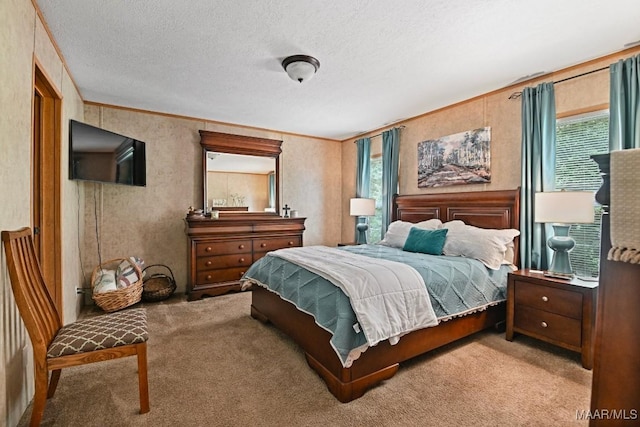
point(100, 332)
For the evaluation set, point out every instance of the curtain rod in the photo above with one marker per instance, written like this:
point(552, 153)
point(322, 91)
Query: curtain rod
point(380, 134)
point(516, 95)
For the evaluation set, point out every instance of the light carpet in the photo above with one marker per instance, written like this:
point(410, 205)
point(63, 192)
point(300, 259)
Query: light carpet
point(211, 364)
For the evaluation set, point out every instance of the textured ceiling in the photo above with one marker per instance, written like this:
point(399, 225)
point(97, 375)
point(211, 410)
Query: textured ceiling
point(380, 60)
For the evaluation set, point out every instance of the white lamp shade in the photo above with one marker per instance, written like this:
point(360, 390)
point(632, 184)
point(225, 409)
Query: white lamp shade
point(564, 207)
point(362, 207)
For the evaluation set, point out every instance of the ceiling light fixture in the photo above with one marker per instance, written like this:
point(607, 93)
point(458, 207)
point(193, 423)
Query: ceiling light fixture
point(300, 67)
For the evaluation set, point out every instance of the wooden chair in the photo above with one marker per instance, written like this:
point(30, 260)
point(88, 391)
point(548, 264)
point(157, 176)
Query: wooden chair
point(95, 339)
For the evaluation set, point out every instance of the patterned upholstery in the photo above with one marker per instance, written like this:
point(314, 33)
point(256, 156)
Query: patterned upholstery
point(100, 332)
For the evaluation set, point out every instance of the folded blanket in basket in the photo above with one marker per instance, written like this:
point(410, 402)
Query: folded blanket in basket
point(105, 282)
point(126, 273)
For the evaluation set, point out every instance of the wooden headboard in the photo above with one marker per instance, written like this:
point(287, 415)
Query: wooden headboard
point(486, 209)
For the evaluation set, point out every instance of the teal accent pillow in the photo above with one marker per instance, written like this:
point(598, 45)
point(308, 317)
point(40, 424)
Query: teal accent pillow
point(426, 241)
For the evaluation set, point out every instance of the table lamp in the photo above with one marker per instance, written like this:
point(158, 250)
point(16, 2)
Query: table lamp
point(361, 207)
point(561, 209)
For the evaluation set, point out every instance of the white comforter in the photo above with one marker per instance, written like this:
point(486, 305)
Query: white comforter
point(389, 298)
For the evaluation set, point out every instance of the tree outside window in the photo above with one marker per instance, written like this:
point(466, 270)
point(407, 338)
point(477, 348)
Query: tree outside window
point(374, 233)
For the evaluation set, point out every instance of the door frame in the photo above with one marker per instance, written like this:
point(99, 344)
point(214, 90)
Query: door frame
point(46, 179)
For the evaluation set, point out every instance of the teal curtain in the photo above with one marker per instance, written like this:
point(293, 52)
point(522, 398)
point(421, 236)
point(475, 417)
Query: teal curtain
point(624, 104)
point(390, 163)
point(363, 173)
point(538, 171)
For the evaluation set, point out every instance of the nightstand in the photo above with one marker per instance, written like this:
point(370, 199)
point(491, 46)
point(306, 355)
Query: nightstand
point(561, 312)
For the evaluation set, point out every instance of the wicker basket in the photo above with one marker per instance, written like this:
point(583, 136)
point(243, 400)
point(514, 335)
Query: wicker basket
point(120, 298)
point(158, 286)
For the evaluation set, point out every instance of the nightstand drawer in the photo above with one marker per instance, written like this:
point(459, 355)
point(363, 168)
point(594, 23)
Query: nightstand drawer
point(553, 326)
point(559, 301)
point(558, 311)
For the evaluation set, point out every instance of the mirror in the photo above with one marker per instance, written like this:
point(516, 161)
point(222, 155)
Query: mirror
point(240, 183)
point(240, 173)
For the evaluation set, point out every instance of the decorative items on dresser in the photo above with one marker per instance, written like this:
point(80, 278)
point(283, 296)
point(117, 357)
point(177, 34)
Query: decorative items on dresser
point(615, 389)
point(220, 250)
point(558, 311)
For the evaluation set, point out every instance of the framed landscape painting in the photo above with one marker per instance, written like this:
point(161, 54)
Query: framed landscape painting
point(462, 158)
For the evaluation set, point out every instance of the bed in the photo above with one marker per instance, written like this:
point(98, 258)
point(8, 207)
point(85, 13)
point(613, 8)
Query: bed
point(489, 210)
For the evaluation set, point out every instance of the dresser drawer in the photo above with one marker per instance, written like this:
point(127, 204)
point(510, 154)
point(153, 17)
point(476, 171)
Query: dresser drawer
point(223, 261)
point(223, 275)
point(553, 326)
point(221, 248)
point(558, 301)
point(266, 245)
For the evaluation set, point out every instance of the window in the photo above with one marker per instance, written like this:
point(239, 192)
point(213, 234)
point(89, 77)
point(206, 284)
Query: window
point(577, 138)
point(374, 233)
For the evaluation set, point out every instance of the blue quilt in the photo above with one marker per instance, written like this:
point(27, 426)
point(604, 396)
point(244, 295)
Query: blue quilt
point(456, 285)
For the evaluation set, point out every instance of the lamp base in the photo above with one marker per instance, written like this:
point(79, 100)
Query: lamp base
point(562, 244)
point(362, 233)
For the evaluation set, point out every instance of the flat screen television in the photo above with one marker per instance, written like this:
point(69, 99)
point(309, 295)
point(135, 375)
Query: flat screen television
point(102, 156)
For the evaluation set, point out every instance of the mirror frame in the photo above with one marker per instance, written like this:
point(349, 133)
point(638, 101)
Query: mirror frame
point(240, 144)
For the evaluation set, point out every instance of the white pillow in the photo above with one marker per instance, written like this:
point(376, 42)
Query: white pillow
point(430, 224)
point(456, 223)
point(398, 231)
point(487, 245)
point(509, 255)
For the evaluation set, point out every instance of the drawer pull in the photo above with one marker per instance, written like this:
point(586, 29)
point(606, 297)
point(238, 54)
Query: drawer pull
point(208, 277)
point(544, 324)
point(208, 263)
point(241, 273)
point(241, 260)
point(290, 243)
point(241, 247)
point(209, 249)
point(544, 298)
point(263, 245)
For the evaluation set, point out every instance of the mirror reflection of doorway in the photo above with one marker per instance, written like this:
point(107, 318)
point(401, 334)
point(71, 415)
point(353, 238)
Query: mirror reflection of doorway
point(45, 185)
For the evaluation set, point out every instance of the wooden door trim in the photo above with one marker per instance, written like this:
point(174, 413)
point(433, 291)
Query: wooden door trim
point(51, 130)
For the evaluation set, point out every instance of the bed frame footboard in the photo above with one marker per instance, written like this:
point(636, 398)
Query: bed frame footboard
point(375, 365)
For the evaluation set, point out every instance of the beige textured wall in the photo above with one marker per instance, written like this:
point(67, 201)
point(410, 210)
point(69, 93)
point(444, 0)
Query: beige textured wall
point(311, 184)
point(23, 40)
point(495, 110)
point(149, 221)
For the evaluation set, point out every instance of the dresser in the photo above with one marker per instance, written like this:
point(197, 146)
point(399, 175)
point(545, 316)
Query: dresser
point(615, 390)
point(558, 311)
point(220, 250)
